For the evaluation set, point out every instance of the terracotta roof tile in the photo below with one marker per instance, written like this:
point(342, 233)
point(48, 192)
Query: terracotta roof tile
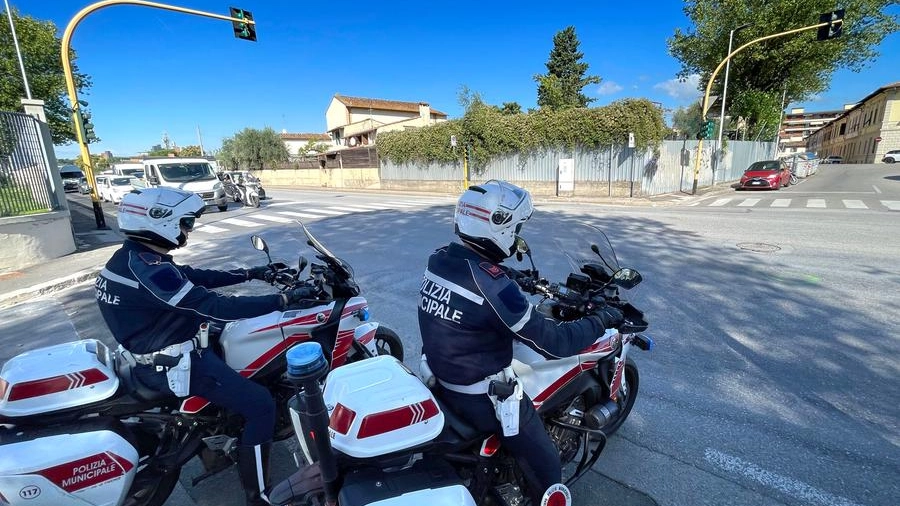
point(383, 105)
point(304, 137)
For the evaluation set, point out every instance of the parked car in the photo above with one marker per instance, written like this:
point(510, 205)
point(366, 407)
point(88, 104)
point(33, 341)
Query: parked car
point(832, 159)
point(84, 187)
point(891, 156)
point(112, 188)
point(71, 177)
point(765, 175)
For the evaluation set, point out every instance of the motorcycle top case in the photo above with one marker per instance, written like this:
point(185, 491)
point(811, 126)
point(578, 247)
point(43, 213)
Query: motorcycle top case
point(86, 464)
point(378, 406)
point(55, 378)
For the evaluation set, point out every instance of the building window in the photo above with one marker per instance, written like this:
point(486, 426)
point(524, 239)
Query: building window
point(843, 129)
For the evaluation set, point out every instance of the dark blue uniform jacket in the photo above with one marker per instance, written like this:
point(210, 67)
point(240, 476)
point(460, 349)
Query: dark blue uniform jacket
point(148, 302)
point(470, 312)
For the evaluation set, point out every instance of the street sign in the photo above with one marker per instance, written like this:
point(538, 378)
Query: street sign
point(631, 140)
point(453, 141)
point(878, 139)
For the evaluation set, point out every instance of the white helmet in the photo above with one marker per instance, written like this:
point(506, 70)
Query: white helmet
point(489, 216)
point(155, 215)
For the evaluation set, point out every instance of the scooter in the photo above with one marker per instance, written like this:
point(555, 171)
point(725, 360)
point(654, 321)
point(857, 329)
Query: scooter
point(77, 427)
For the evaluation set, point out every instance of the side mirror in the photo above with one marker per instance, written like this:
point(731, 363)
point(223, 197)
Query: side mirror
point(153, 180)
point(260, 244)
point(301, 264)
point(627, 278)
point(521, 248)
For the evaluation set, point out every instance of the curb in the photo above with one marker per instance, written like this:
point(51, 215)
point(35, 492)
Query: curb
point(55, 285)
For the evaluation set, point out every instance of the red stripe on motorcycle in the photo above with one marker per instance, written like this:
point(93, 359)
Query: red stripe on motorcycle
point(351, 310)
point(561, 382)
point(341, 348)
point(387, 421)
point(193, 405)
point(56, 384)
point(87, 472)
point(303, 320)
point(490, 446)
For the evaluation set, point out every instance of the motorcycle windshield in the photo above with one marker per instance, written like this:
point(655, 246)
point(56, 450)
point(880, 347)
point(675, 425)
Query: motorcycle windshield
point(587, 244)
point(325, 252)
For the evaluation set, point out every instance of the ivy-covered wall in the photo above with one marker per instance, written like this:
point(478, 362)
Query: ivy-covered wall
point(489, 133)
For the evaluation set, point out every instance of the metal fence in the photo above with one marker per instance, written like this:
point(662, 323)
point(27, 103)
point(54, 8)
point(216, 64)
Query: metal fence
point(25, 186)
point(666, 169)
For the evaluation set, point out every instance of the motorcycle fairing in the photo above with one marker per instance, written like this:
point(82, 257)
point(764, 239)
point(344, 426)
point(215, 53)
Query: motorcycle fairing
point(384, 408)
point(55, 378)
point(77, 465)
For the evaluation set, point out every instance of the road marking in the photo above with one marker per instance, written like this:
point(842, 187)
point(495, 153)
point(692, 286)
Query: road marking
point(371, 207)
point(269, 217)
point(356, 209)
point(817, 203)
point(331, 211)
point(785, 484)
point(400, 204)
point(300, 215)
point(854, 204)
point(241, 223)
point(877, 190)
point(781, 203)
point(893, 205)
point(749, 202)
point(210, 229)
point(276, 204)
point(720, 202)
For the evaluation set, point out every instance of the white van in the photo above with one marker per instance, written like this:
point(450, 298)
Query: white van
point(190, 174)
point(129, 169)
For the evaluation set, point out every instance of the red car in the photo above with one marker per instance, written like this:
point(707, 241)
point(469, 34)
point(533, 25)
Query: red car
point(765, 175)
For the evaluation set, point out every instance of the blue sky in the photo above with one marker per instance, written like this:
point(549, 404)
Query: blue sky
point(156, 71)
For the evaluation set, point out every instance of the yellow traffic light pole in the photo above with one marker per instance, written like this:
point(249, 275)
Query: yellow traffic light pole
point(712, 78)
point(80, 132)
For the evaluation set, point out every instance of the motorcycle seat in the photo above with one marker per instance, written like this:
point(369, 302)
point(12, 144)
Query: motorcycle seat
point(463, 429)
point(131, 384)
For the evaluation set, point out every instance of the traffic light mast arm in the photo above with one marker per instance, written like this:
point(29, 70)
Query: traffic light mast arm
point(712, 78)
point(80, 132)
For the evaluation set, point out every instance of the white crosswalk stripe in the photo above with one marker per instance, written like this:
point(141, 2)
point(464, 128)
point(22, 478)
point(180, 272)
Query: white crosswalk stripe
point(269, 217)
point(720, 202)
point(893, 205)
point(400, 204)
point(371, 207)
point(816, 203)
point(357, 209)
point(749, 202)
point(854, 204)
point(241, 223)
point(210, 229)
point(781, 203)
point(333, 211)
point(278, 204)
point(300, 215)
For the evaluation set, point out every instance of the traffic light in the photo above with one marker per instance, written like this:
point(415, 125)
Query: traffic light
point(706, 129)
point(246, 31)
point(835, 26)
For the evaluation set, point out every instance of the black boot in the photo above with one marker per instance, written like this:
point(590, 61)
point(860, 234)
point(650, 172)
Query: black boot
point(253, 468)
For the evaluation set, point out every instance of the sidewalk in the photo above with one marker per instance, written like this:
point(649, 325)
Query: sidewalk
point(94, 247)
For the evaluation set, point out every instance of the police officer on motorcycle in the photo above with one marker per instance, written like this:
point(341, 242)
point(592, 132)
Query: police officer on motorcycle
point(471, 312)
point(154, 306)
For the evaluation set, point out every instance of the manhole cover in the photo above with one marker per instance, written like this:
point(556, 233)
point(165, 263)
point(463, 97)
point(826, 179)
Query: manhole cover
point(759, 247)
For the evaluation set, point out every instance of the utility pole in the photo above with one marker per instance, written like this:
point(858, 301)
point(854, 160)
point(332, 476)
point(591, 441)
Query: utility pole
point(12, 29)
point(780, 119)
point(200, 140)
point(725, 91)
point(80, 131)
point(835, 23)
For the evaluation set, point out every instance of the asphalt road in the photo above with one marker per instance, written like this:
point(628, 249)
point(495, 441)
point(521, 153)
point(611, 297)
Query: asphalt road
point(774, 379)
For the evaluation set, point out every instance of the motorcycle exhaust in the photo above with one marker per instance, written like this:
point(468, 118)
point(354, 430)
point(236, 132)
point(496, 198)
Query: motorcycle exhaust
point(305, 366)
point(601, 414)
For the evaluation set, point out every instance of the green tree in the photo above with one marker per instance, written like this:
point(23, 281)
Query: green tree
point(796, 63)
point(99, 163)
point(252, 149)
point(40, 51)
point(561, 87)
point(511, 108)
point(190, 151)
point(687, 120)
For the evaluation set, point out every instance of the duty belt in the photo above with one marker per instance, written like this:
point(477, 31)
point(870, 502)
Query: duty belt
point(479, 387)
point(174, 350)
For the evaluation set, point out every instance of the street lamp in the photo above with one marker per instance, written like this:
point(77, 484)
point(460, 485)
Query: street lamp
point(725, 88)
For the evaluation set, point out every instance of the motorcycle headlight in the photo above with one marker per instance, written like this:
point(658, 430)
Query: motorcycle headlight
point(217, 186)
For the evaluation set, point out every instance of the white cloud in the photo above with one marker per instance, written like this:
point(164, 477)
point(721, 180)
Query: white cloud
point(608, 88)
point(682, 91)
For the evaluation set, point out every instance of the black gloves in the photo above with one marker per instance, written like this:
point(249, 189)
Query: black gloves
point(263, 273)
point(611, 317)
point(296, 295)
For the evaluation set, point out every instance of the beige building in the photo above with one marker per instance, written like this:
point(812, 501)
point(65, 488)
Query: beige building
point(864, 133)
point(353, 122)
point(297, 143)
point(799, 124)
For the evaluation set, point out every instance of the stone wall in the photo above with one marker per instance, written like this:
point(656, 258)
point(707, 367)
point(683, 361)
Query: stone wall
point(32, 239)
